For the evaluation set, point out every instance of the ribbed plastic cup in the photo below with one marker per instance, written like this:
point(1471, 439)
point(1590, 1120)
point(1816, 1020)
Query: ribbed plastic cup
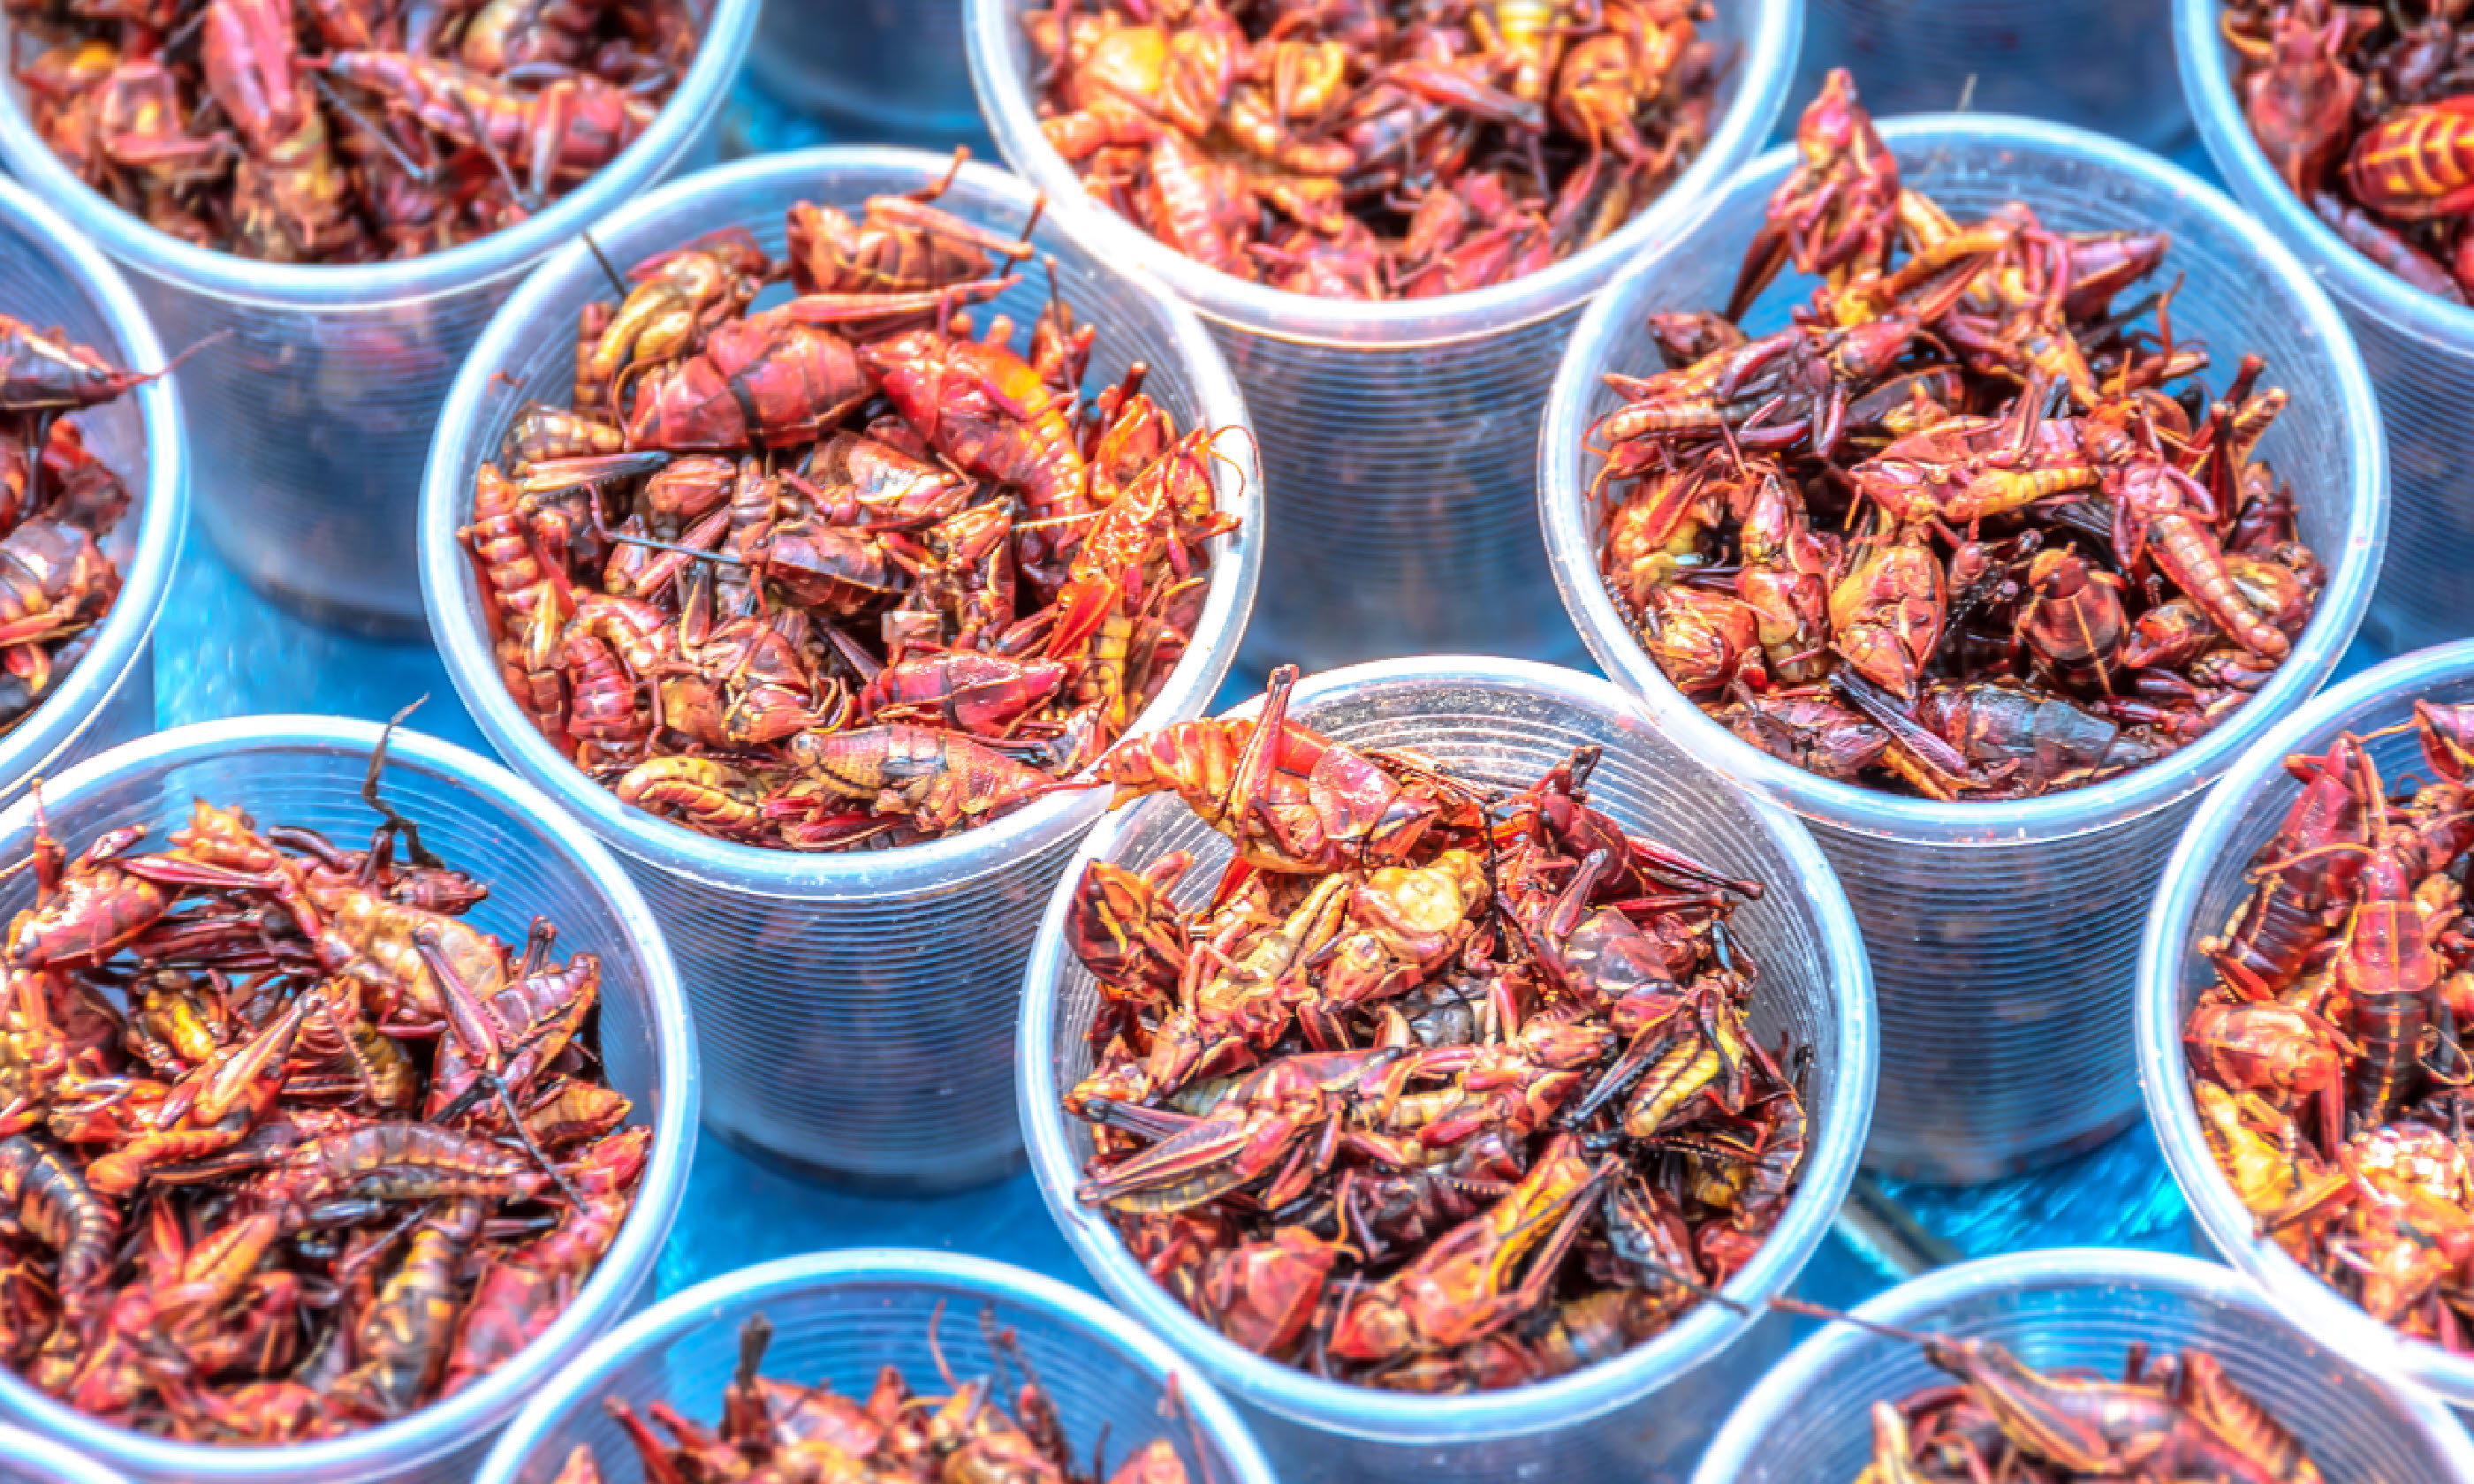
point(839, 1317)
point(310, 420)
point(27, 1459)
point(2003, 934)
point(895, 68)
point(50, 276)
point(2202, 885)
point(1808, 1420)
point(1645, 1414)
point(857, 1009)
point(2093, 64)
point(308, 770)
point(2420, 349)
point(1397, 435)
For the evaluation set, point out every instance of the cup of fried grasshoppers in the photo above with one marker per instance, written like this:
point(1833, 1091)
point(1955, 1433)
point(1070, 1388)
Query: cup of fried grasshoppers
point(260, 1224)
point(1316, 1276)
point(311, 415)
point(1398, 434)
point(921, 1365)
point(857, 1005)
point(2003, 929)
point(94, 492)
point(2344, 133)
point(2081, 1364)
point(2302, 999)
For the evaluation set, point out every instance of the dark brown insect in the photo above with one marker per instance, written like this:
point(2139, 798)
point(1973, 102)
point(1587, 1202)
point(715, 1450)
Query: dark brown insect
point(789, 1430)
point(1960, 529)
point(2327, 1061)
point(344, 130)
point(2368, 117)
point(840, 574)
point(287, 1148)
point(2170, 1417)
point(57, 503)
point(1426, 1098)
point(1377, 151)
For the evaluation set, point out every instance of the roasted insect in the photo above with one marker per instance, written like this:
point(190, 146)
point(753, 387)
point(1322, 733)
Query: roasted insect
point(1962, 528)
point(2368, 114)
point(2177, 1416)
point(834, 573)
point(1380, 149)
point(985, 1429)
point(2328, 1061)
point(57, 503)
point(1434, 1091)
point(288, 1148)
point(338, 132)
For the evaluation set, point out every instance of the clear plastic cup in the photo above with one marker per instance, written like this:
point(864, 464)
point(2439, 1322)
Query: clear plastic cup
point(894, 68)
point(1397, 435)
point(2203, 883)
point(839, 1317)
point(308, 770)
point(1808, 1420)
point(27, 1459)
point(50, 276)
point(1645, 1414)
point(2003, 934)
point(309, 421)
point(2420, 348)
point(857, 1009)
point(2093, 64)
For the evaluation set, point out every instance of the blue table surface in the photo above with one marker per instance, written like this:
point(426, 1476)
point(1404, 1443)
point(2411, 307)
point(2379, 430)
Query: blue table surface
point(221, 651)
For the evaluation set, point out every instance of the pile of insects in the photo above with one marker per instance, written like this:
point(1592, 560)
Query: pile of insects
point(290, 1149)
point(2367, 114)
point(2178, 1418)
point(838, 573)
point(773, 1430)
point(1377, 149)
point(1961, 529)
point(1438, 1091)
point(58, 502)
point(2327, 1060)
point(345, 131)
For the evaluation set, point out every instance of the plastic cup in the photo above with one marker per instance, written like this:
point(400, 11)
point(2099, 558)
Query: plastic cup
point(310, 420)
point(2085, 1306)
point(840, 1317)
point(893, 67)
point(857, 1009)
point(1642, 1416)
point(27, 1459)
point(1397, 435)
point(50, 276)
point(308, 770)
point(2420, 348)
point(2203, 883)
point(2093, 64)
point(2003, 934)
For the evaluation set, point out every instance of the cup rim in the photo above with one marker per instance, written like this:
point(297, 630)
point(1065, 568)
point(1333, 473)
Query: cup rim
point(328, 287)
point(1768, 66)
point(2208, 88)
point(702, 1306)
point(2164, 1078)
point(52, 1463)
point(434, 1431)
point(1591, 1392)
point(59, 719)
point(1730, 1453)
point(2354, 564)
point(983, 850)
